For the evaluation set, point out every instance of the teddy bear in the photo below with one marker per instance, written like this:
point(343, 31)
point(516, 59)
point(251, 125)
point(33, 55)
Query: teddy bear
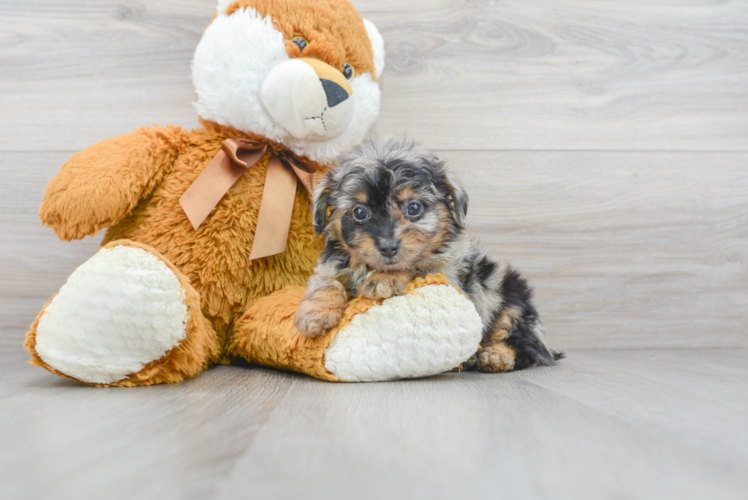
point(209, 236)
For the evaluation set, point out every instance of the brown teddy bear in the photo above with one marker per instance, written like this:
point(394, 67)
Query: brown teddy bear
point(210, 237)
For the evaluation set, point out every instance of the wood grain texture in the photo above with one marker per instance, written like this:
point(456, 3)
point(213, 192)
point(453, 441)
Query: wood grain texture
point(624, 424)
point(624, 249)
point(467, 74)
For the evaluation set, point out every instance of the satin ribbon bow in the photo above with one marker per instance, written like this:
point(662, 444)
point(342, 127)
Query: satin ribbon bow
point(274, 218)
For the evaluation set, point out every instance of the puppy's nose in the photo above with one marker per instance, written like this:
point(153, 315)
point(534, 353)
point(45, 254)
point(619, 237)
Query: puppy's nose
point(388, 248)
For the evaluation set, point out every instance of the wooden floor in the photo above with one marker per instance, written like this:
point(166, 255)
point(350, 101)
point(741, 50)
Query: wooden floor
point(621, 424)
point(604, 146)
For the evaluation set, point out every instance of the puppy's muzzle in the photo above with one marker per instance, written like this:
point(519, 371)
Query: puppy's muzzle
point(388, 248)
point(310, 99)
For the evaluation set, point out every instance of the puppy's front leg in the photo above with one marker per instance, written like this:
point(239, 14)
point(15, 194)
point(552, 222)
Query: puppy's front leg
point(323, 305)
point(384, 285)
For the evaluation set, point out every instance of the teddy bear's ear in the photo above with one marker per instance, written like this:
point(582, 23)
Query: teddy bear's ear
point(377, 44)
point(223, 5)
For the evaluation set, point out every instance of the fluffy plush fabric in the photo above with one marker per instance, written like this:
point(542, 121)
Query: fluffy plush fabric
point(249, 39)
point(377, 45)
point(377, 344)
point(102, 296)
point(430, 329)
point(133, 183)
point(319, 115)
point(162, 301)
point(96, 341)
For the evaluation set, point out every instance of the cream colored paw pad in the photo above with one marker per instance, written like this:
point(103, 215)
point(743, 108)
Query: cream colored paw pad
point(117, 312)
point(429, 331)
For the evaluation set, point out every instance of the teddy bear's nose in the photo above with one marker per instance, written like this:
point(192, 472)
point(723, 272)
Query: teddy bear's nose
point(310, 99)
point(334, 92)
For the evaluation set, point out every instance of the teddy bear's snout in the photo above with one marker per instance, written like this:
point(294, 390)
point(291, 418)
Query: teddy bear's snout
point(310, 99)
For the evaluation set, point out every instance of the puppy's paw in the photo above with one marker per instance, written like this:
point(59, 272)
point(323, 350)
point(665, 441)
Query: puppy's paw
point(315, 317)
point(384, 285)
point(493, 358)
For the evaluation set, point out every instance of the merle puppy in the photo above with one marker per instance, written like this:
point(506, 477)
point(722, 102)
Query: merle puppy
point(395, 212)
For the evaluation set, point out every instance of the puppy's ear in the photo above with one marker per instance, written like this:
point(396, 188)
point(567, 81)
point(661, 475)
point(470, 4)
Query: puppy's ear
point(320, 204)
point(459, 200)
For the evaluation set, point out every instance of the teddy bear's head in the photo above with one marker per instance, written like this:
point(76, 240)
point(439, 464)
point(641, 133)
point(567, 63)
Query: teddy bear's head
point(299, 72)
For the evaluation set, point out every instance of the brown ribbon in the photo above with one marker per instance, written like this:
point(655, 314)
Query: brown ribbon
point(274, 218)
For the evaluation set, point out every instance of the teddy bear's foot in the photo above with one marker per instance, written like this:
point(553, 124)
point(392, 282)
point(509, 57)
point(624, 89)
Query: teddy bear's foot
point(430, 329)
point(127, 316)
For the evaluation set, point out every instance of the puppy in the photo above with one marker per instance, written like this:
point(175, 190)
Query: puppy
point(395, 212)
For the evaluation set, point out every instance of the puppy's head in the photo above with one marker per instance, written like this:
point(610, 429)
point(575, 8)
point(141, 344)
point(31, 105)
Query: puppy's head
point(391, 203)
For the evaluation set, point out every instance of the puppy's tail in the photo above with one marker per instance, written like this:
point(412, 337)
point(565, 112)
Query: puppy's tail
point(545, 355)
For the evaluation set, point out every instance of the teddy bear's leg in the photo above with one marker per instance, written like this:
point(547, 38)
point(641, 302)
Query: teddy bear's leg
point(429, 329)
point(125, 317)
point(266, 335)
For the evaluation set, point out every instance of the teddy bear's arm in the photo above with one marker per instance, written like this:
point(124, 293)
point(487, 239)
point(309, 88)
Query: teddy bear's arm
point(100, 185)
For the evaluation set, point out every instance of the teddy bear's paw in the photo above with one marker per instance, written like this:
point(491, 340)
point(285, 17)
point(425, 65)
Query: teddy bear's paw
point(427, 331)
point(120, 310)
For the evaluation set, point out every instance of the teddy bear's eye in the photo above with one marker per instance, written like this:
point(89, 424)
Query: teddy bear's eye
point(300, 42)
point(347, 71)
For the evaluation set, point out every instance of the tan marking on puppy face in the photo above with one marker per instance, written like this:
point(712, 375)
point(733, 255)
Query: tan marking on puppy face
point(363, 248)
point(333, 226)
point(416, 244)
point(333, 29)
point(445, 222)
point(361, 197)
point(406, 194)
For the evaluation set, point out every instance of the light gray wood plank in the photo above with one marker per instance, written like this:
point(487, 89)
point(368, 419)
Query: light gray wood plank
point(77, 72)
point(599, 425)
point(604, 75)
point(478, 436)
point(460, 74)
point(60, 439)
point(624, 249)
point(699, 396)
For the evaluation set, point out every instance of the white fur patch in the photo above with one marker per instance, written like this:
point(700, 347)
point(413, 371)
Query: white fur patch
point(234, 57)
point(425, 333)
point(231, 61)
point(294, 96)
point(120, 310)
point(377, 45)
point(366, 97)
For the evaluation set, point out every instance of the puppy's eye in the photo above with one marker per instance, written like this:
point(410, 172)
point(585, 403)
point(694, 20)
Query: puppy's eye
point(347, 71)
point(415, 208)
point(360, 213)
point(300, 42)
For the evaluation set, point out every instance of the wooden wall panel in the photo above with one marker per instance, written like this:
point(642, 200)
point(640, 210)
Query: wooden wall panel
point(469, 74)
point(603, 143)
point(624, 249)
